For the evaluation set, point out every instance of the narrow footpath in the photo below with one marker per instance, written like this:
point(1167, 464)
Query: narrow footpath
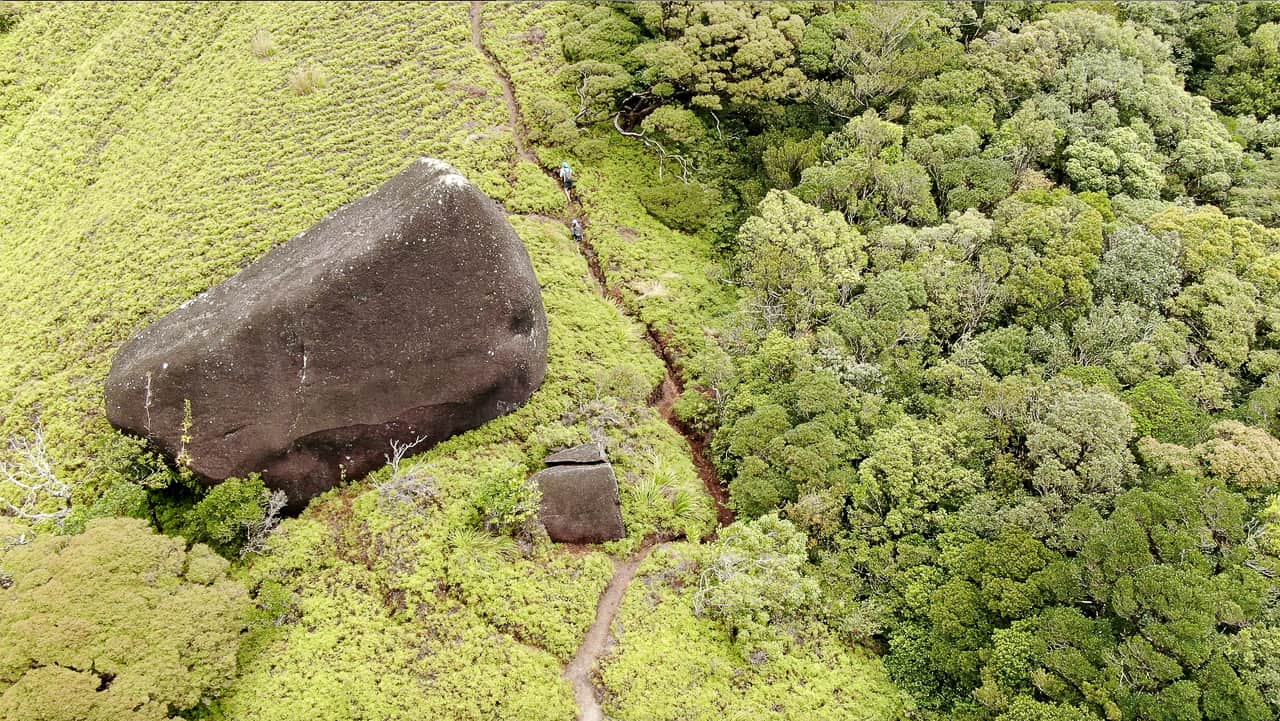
point(580, 671)
point(666, 394)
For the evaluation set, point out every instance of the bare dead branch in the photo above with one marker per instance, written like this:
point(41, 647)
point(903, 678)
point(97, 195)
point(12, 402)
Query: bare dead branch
point(31, 473)
point(663, 155)
point(400, 450)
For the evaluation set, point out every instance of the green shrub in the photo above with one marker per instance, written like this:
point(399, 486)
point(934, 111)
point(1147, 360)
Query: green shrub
point(227, 514)
point(678, 130)
point(550, 122)
point(116, 623)
point(534, 192)
point(680, 206)
point(657, 502)
point(695, 411)
point(755, 582)
point(506, 502)
point(625, 383)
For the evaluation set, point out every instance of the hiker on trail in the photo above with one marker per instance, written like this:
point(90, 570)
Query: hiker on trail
point(575, 228)
point(566, 175)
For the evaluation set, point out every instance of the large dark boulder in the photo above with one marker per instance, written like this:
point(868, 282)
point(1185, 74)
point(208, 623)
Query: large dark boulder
point(410, 313)
point(580, 502)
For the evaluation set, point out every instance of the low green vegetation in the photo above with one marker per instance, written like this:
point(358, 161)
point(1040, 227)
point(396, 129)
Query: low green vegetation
point(682, 655)
point(138, 174)
point(672, 281)
point(406, 561)
point(435, 563)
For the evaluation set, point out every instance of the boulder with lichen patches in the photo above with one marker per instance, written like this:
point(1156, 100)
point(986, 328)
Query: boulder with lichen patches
point(410, 313)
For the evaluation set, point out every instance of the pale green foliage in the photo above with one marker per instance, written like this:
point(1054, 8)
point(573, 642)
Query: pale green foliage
point(870, 55)
point(657, 501)
point(597, 86)
point(803, 262)
point(1139, 266)
point(1105, 94)
point(1210, 240)
point(664, 644)
point(115, 623)
point(720, 54)
point(1080, 448)
point(1246, 458)
point(754, 583)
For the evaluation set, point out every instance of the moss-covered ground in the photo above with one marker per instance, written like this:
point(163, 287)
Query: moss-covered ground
point(150, 151)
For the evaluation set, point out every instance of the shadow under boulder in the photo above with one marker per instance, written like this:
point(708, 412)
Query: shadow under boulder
point(411, 313)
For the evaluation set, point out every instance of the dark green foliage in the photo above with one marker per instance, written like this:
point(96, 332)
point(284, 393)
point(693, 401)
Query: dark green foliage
point(225, 515)
point(9, 15)
point(950, 410)
point(680, 206)
point(785, 160)
point(1161, 412)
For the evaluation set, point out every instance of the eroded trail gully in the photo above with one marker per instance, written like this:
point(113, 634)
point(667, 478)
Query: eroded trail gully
point(580, 671)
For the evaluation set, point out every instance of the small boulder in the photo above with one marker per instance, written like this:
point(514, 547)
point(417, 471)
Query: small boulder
point(580, 502)
point(411, 313)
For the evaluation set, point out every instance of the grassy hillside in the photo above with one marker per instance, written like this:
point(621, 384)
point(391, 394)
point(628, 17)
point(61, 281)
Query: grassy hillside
point(148, 152)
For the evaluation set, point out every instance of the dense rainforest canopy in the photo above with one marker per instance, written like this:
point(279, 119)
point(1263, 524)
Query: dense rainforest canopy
point(1008, 342)
point(976, 307)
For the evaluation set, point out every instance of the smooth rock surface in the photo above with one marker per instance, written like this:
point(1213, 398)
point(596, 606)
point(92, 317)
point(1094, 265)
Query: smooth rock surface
point(411, 312)
point(580, 503)
point(585, 453)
